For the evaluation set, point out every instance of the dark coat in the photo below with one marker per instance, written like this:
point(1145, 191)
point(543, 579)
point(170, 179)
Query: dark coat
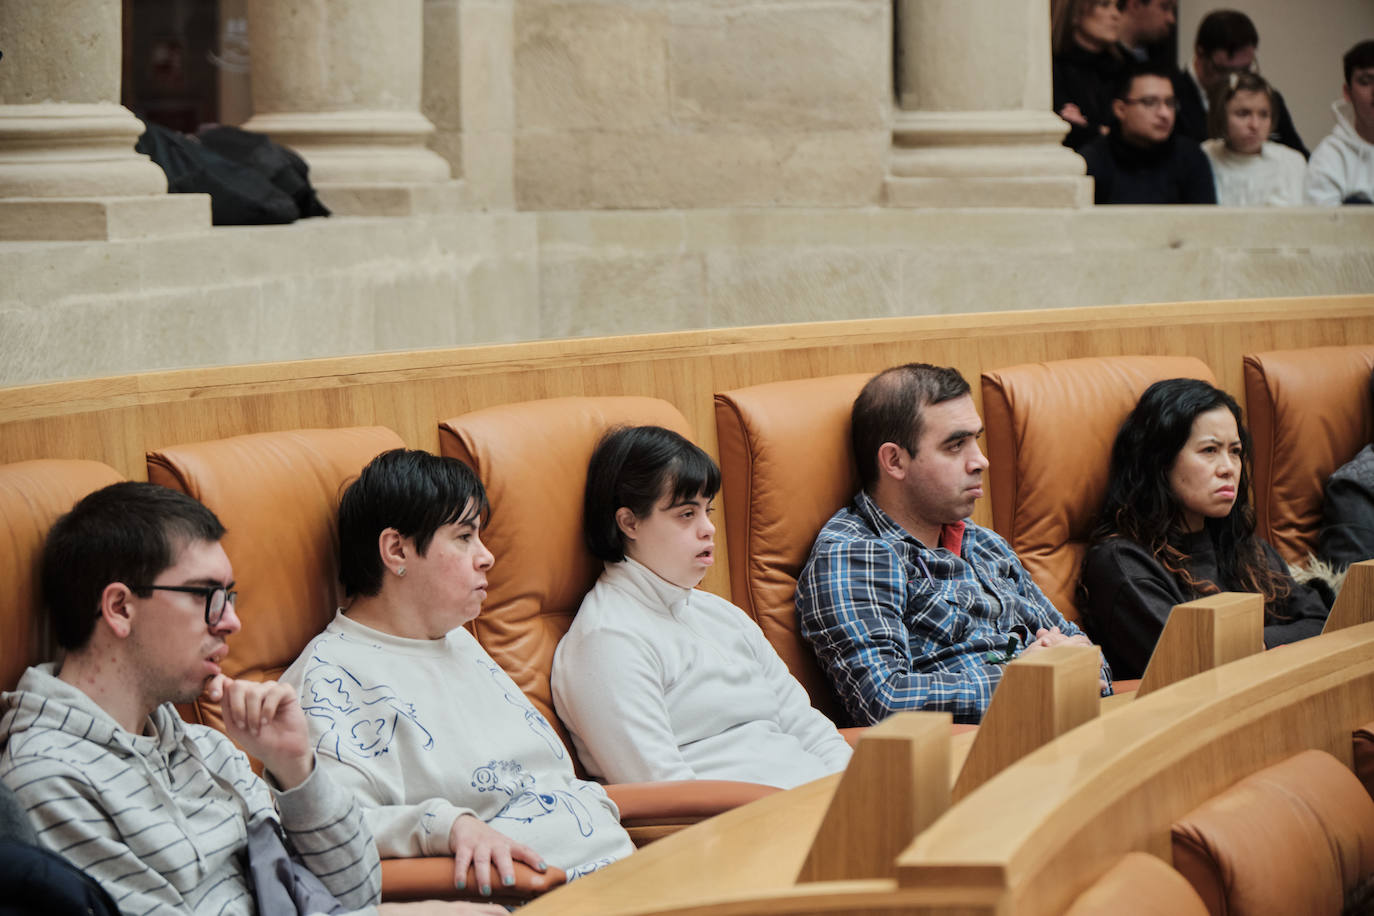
point(1130, 595)
point(1087, 80)
point(1347, 532)
point(1173, 172)
point(1192, 116)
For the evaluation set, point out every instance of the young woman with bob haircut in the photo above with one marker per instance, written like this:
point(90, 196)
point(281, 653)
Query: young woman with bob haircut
point(657, 680)
point(1177, 524)
point(407, 710)
point(1249, 169)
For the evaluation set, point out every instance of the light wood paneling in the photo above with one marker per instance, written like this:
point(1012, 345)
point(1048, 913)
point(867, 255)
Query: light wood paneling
point(896, 785)
point(1202, 634)
point(1042, 695)
point(116, 420)
point(1355, 604)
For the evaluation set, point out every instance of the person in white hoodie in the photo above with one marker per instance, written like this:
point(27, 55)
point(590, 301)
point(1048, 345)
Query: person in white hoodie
point(656, 679)
point(1341, 170)
point(140, 594)
point(1250, 170)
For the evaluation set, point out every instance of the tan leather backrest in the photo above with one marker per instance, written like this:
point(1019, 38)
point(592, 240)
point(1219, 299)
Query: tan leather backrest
point(1309, 412)
point(786, 467)
point(1050, 428)
point(277, 495)
point(1139, 885)
point(1291, 838)
point(32, 496)
point(532, 458)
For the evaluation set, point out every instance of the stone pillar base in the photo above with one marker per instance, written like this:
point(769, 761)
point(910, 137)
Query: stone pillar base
point(984, 159)
point(989, 192)
point(358, 147)
point(102, 218)
point(420, 199)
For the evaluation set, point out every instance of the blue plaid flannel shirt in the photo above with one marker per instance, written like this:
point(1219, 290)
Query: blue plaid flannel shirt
point(897, 625)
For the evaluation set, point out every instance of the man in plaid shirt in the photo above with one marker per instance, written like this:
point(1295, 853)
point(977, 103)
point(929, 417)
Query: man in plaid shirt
point(908, 604)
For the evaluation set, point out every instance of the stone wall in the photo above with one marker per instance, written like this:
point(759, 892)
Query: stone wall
point(351, 285)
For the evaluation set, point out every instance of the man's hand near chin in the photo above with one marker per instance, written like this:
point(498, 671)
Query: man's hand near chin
point(265, 719)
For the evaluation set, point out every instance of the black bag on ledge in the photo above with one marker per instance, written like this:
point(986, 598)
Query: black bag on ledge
point(250, 179)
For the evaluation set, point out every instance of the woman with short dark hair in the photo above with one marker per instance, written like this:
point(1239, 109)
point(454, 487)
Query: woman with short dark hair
point(657, 680)
point(1177, 524)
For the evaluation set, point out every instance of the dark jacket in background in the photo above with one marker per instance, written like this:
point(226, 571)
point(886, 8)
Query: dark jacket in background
point(1173, 172)
point(1192, 116)
point(1086, 79)
point(1347, 533)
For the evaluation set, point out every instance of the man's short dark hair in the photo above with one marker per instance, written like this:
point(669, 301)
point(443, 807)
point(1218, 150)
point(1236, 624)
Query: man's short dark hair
point(1133, 71)
point(634, 467)
point(412, 491)
point(127, 532)
point(1226, 30)
point(888, 409)
point(1360, 57)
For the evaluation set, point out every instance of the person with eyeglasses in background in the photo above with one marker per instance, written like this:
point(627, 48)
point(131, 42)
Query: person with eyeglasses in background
point(140, 596)
point(1226, 43)
point(1142, 160)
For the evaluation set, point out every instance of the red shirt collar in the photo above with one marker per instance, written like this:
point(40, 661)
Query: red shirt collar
point(952, 537)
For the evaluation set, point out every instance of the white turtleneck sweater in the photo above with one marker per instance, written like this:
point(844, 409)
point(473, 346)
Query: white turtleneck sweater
point(658, 682)
point(1272, 177)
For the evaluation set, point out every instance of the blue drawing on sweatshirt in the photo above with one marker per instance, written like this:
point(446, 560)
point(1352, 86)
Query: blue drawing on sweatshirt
point(586, 868)
point(525, 803)
point(536, 722)
point(363, 719)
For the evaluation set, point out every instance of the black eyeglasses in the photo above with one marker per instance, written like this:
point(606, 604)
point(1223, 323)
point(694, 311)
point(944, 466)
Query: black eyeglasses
point(217, 598)
point(1151, 102)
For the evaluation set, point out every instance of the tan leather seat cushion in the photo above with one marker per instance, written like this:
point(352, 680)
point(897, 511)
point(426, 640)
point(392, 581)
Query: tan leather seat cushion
point(32, 496)
point(1139, 885)
point(278, 497)
point(1050, 429)
point(532, 457)
point(786, 467)
point(1362, 748)
point(1309, 412)
point(1291, 838)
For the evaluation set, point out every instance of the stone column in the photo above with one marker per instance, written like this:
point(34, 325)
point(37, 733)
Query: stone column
point(339, 82)
point(68, 169)
point(974, 125)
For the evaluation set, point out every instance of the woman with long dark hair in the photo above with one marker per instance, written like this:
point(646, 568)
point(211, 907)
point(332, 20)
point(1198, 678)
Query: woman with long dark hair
point(1177, 524)
point(1087, 64)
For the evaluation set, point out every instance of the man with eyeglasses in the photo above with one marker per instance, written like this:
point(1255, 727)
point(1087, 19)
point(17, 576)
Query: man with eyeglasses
point(1226, 44)
point(1142, 160)
point(140, 595)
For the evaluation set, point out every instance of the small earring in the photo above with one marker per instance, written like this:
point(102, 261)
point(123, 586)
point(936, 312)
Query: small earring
point(401, 571)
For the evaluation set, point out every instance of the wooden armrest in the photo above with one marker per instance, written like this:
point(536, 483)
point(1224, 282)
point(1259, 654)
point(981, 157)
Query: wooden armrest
point(431, 878)
point(683, 800)
point(852, 735)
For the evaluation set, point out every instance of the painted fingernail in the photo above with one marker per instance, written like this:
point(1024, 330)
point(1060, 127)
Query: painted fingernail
point(508, 880)
point(485, 890)
point(461, 885)
point(542, 866)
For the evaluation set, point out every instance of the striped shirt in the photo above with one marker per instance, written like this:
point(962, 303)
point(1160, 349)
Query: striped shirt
point(161, 819)
point(898, 625)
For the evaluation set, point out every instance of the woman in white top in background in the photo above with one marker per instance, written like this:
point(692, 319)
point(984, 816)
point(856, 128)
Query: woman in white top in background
point(657, 680)
point(1249, 170)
